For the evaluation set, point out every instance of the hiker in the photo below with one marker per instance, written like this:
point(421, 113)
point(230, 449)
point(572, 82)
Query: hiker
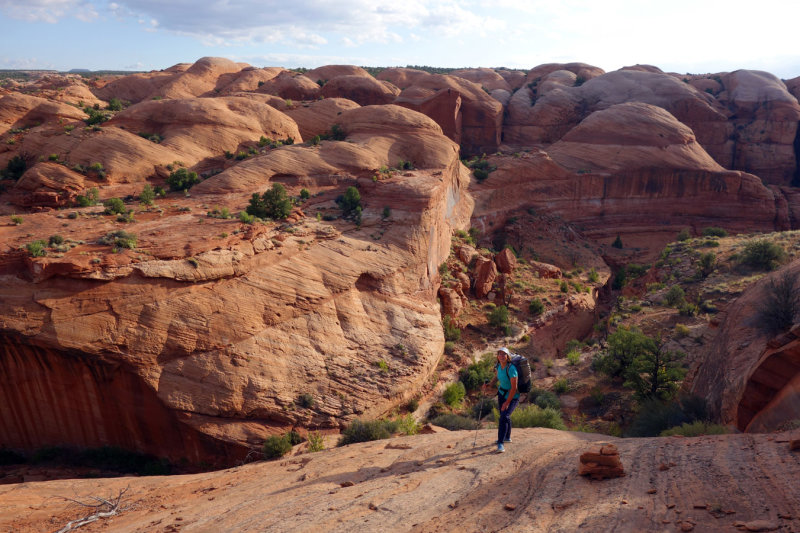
point(507, 395)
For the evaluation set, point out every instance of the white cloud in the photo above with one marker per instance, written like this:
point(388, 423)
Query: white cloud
point(25, 63)
point(50, 11)
point(300, 60)
point(307, 22)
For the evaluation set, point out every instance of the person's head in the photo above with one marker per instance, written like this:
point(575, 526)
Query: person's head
point(503, 354)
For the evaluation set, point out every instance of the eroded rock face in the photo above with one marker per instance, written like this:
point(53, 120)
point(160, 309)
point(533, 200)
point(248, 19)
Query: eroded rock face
point(223, 345)
point(750, 378)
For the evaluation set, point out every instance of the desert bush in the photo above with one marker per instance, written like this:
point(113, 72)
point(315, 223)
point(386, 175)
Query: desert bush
point(683, 235)
point(55, 240)
point(115, 104)
point(15, 168)
point(573, 357)
point(246, 218)
point(367, 430)
point(37, 248)
point(305, 194)
point(276, 446)
point(89, 199)
point(454, 394)
point(533, 416)
point(617, 242)
point(350, 204)
point(655, 416)
point(536, 307)
point(498, 317)
point(561, 385)
point(182, 180)
point(695, 429)
point(273, 203)
point(675, 296)
point(119, 239)
point(306, 400)
point(681, 330)
point(407, 425)
point(451, 331)
point(478, 373)
point(594, 277)
point(544, 399)
point(454, 422)
point(16, 220)
point(706, 264)
point(114, 206)
point(147, 195)
point(714, 232)
point(316, 443)
point(762, 255)
point(780, 306)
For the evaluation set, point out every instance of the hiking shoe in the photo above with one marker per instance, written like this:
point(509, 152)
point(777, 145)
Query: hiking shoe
point(500, 448)
point(507, 440)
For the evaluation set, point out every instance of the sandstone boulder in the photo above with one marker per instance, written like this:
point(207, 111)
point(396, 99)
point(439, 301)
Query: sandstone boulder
point(443, 106)
point(24, 111)
point(485, 274)
point(451, 302)
point(506, 261)
point(545, 270)
point(328, 72)
point(466, 254)
point(402, 77)
point(485, 77)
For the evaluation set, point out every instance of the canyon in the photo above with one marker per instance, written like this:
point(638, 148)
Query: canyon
point(213, 332)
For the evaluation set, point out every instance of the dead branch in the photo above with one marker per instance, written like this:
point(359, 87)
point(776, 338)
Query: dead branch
point(105, 508)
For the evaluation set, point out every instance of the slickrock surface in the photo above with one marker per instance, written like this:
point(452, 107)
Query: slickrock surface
point(440, 482)
point(218, 332)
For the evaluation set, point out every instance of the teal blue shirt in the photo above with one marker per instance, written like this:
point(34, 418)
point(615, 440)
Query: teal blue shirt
point(504, 379)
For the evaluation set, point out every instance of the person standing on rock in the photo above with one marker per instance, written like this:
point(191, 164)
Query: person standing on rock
point(507, 395)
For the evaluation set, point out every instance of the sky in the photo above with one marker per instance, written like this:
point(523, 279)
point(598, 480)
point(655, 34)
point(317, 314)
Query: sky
point(694, 36)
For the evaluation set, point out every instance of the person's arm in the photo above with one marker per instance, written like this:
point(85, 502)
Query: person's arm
point(511, 394)
point(491, 384)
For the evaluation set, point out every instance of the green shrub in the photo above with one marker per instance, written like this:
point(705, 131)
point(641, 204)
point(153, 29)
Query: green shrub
point(454, 422)
point(617, 242)
point(114, 206)
point(147, 195)
point(351, 204)
point(337, 133)
point(781, 304)
point(15, 168)
point(273, 203)
point(119, 239)
point(305, 194)
point(407, 425)
point(536, 307)
point(37, 248)
point(182, 180)
point(454, 394)
point(533, 416)
point(91, 198)
point(245, 218)
point(479, 372)
point(654, 416)
point(675, 296)
point(413, 404)
point(16, 220)
point(498, 317)
point(714, 232)
point(115, 104)
point(367, 430)
point(573, 357)
point(451, 331)
point(594, 277)
point(55, 240)
point(763, 255)
point(316, 443)
point(683, 235)
point(695, 429)
point(706, 264)
point(544, 399)
point(561, 385)
point(306, 400)
point(276, 446)
point(480, 174)
point(681, 330)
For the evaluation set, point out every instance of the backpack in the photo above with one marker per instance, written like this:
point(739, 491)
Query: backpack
point(523, 372)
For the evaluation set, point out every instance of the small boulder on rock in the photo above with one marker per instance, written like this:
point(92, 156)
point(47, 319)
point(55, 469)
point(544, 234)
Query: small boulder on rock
point(546, 270)
point(485, 274)
point(505, 261)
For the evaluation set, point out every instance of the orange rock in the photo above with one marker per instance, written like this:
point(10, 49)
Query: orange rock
point(545, 270)
point(485, 274)
point(360, 89)
point(505, 261)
